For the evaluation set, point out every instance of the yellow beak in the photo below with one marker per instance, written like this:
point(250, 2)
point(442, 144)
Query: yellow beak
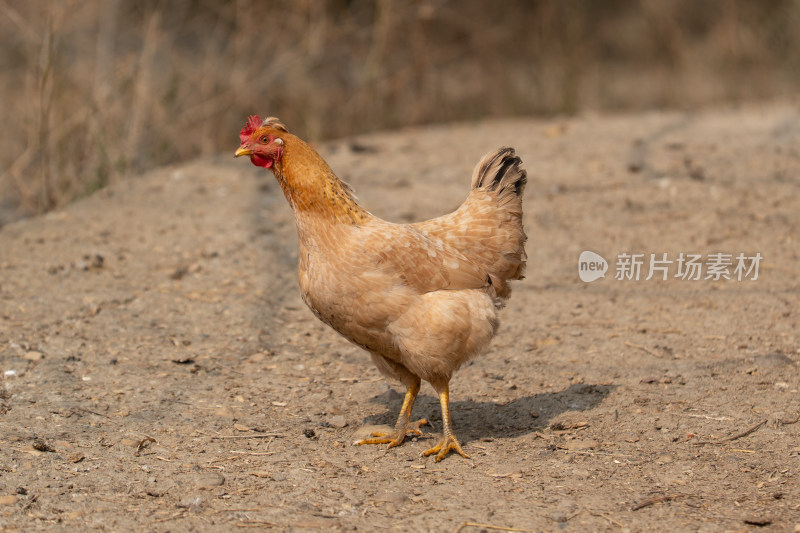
point(242, 151)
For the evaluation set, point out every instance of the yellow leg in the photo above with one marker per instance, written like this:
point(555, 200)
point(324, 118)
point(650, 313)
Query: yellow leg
point(403, 427)
point(449, 441)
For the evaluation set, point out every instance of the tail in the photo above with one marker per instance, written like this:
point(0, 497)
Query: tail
point(500, 179)
point(487, 227)
point(500, 171)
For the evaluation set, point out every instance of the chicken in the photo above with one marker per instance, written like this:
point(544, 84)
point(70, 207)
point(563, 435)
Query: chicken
point(421, 298)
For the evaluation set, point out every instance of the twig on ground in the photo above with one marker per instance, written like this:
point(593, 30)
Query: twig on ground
point(689, 436)
point(90, 412)
point(179, 514)
point(660, 498)
point(643, 348)
point(31, 502)
point(733, 437)
point(489, 526)
point(601, 515)
point(258, 436)
point(253, 453)
point(144, 443)
point(593, 454)
point(717, 418)
point(234, 457)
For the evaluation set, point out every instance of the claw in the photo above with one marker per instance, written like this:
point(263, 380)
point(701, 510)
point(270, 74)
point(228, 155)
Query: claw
point(446, 445)
point(403, 427)
point(449, 441)
point(396, 437)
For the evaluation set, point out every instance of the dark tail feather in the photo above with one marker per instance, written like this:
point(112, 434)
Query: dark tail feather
point(500, 177)
point(500, 172)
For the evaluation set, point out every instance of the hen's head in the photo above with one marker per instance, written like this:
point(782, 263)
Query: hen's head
point(262, 141)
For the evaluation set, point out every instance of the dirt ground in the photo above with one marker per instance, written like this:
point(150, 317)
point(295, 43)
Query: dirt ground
point(161, 373)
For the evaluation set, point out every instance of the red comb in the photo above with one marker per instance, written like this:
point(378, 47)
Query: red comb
point(253, 123)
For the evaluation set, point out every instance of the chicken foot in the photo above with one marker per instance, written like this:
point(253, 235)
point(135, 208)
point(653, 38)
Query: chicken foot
point(449, 441)
point(403, 427)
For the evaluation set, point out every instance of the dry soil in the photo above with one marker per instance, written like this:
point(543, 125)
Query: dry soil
point(161, 373)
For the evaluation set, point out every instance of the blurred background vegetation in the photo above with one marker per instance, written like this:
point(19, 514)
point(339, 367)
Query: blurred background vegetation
point(96, 90)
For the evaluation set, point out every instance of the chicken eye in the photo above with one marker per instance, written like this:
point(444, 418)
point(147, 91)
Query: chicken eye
point(264, 139)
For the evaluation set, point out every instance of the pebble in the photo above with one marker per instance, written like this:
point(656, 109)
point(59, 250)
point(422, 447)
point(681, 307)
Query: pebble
point(774, 360)
point(588, 444)
point(209, 480)
point(756, 520)
point(8, 500)
point(394, 497)
point(76, 457)
point(337, 421)
point(192, 503)
point(33, 355)
point(580, 473)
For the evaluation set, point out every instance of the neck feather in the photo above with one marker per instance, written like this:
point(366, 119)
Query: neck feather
point(312, 188)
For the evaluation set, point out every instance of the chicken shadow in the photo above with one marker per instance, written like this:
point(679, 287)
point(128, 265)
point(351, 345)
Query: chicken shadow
point(475, 420)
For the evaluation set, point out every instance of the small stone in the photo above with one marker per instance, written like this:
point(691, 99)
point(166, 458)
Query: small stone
point(209, 480)
point(575, 445)
point(96, 261)
point(193, 503)
point(9, 499)
point(580, 473)
point(76, 457)
point(42, 446)
point(774, 360)
point(33, 355)
point(241, 427)
point(756, 520)
point(396, 497)
point(337, 421)
point(630, 436)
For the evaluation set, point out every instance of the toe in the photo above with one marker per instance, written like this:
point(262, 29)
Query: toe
point(445, 447)
point(375, 440)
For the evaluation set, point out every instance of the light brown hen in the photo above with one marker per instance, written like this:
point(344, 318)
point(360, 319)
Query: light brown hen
point(421, 298)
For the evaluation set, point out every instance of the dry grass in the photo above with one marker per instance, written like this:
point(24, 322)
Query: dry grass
point(96, 90)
